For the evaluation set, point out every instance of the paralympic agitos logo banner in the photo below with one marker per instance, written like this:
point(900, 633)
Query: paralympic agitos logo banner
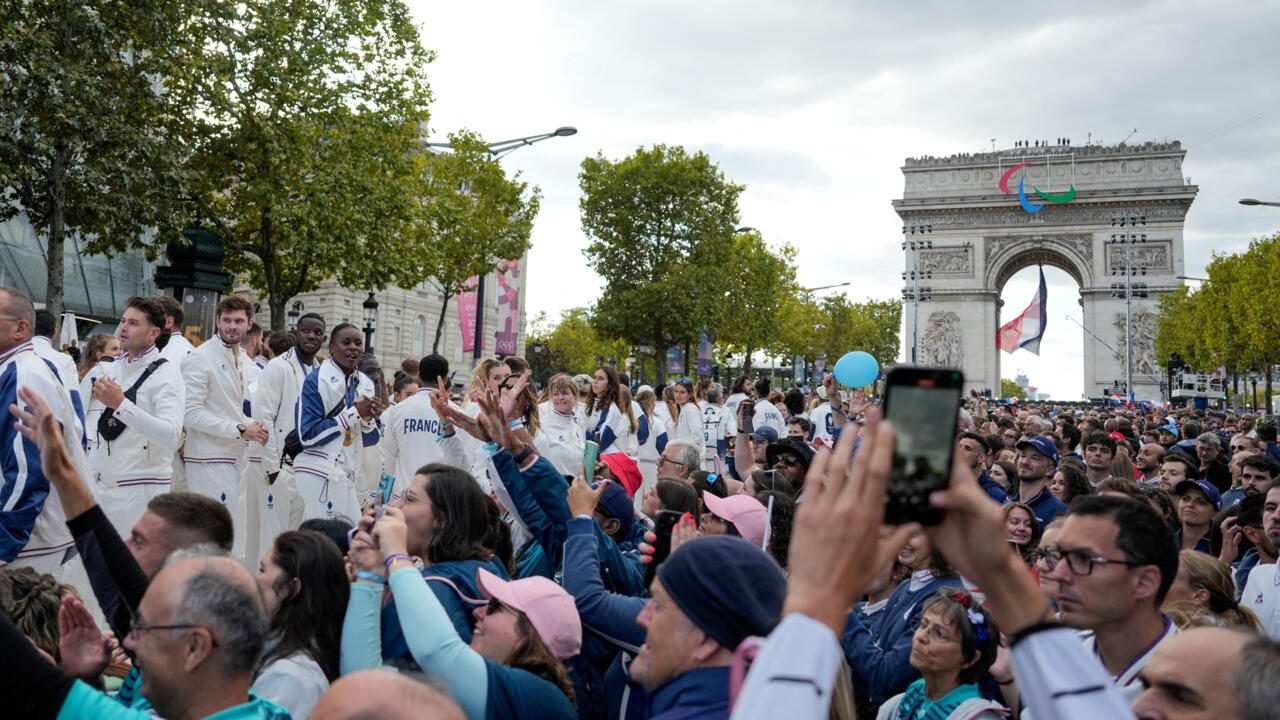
point(1027, 204)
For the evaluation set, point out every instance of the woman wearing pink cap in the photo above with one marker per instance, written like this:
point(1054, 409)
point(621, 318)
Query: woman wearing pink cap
point(514, 666)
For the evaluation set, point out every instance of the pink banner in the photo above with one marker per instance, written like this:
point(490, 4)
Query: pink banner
point(508, 308)
point(467, 316)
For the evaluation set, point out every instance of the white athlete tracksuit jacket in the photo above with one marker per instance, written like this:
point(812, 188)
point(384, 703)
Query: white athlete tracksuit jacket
point(217, 396)
point(33, 528)
point(328, 469)
point(272, 508)
point(138, 465)
point(67, 373)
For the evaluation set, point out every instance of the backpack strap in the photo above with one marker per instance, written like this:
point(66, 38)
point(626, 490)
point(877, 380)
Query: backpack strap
point(132, 392)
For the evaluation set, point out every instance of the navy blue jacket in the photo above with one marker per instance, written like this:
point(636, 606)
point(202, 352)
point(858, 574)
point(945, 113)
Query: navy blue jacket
point(697, 694)
point(880, 660)
point(1044, 505)
point(992, 488)
point(519, 693)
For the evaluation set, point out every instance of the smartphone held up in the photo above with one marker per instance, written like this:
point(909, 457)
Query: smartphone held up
point(922, 403)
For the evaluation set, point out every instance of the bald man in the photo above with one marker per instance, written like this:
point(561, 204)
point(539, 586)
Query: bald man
point(1191, 675)
point(1148, 462)
point(197, 638)
point(384, 694)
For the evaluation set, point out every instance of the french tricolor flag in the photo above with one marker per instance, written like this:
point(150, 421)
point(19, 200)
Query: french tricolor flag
point(1026, 330)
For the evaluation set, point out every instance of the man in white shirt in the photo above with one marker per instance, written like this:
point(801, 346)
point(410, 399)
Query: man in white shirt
point(272, 504)
point(176, 345)
point(824, 426)
point(414, 434)
point(1262, 590)
point(144, 393)
point(68, 374)
point(217, 417)
point(767, 414)
point(1113, 563)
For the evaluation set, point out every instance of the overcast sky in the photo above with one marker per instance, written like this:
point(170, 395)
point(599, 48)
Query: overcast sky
point(814, 105)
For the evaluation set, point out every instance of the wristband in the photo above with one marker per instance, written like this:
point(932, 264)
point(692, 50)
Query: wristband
point(524, 455)
point(446, 427)
point(491, 448)
point(515, 424)
point(371, 577)
point(398, 556)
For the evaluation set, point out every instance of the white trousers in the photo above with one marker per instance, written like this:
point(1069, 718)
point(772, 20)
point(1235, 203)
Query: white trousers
point(328, 496)
point(268, 509)
point(125, 504)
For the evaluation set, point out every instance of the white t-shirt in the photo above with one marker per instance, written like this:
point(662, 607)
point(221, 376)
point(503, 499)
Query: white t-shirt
point(824, 426)
point(1262, 596)
point(768, 414)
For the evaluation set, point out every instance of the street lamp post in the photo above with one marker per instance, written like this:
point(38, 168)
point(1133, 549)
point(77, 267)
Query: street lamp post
point(825, 287)
point(497, 150)
point(914, 274)
point(370, 306)
point(295, 312)
point(1251, 201)
point(1127, 237)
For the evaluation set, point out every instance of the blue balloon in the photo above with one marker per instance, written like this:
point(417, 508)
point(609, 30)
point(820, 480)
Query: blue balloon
point(856, 369)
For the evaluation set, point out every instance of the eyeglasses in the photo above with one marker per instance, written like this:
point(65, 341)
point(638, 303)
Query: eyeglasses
point(136, 629)
point(1080, 562)
point(495, 606)
point(789, 459)
point(669, 460)
point(935, 632)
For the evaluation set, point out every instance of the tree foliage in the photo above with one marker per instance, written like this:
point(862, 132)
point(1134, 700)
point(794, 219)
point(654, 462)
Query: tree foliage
point(572, 344)
point(88, 142)
point(1011, 389)
point(305, 121)
point(661, 225)
point(1226, 321)
point(467, 217)
point(756, 285)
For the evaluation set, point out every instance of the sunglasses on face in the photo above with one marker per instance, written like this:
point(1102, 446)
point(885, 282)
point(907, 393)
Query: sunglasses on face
point(789, 459)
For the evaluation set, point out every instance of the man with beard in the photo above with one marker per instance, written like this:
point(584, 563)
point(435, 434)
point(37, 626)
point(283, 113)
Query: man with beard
point(1262, 592)
point(218, 421)
point(272, 502)
point(1037, 460)
point(1148, 463)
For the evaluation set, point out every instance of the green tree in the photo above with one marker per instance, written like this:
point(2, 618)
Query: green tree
point(872, 326)
point(306, 119)
point(89, 145)
point(755, 293)
point(661, 225)
point(468, 217)
point(1009, 388)
point(572, 344)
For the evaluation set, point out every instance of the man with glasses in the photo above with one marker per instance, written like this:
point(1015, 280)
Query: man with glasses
point(790, 457)
point(1010, 437)
point(1262, 590)
point(199, 633)
point(680, 458)
point(1113, 563)
point(1213, 467)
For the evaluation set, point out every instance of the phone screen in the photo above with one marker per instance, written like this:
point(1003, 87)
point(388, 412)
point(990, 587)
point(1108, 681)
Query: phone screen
point(923, 405)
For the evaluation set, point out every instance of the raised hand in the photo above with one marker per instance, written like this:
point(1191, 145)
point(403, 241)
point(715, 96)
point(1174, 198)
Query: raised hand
point(391, 533)
point(583, 498)
point(514, 399)
point(85, 651)
point(843, 508)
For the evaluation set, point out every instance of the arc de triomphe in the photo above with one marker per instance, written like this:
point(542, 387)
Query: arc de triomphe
point(973, 220)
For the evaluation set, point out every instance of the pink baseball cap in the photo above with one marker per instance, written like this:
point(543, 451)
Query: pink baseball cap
point(744, 511)
point(549, 608)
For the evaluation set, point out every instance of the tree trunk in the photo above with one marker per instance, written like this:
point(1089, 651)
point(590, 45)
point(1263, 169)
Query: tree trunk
point(1267, 398)
point(53, 296)
point(444, 309)
point(746, 361)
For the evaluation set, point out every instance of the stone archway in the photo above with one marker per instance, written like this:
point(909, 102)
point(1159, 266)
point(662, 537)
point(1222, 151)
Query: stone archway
point(980, 236)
